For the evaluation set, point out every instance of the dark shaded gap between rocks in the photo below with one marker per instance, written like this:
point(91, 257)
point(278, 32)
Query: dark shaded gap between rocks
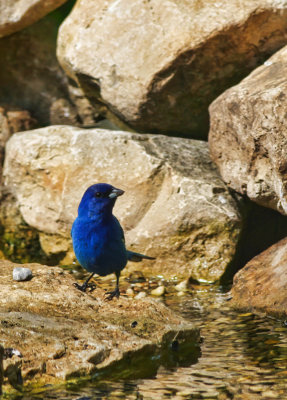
point(262, 227)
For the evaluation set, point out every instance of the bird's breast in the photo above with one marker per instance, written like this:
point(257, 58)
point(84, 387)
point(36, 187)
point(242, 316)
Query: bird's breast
point(99, 247)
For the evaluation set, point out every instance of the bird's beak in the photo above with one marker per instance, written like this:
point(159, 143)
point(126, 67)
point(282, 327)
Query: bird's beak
point(116, 193)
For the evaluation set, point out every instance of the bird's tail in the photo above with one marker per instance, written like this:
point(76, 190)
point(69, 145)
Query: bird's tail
point(137, 257)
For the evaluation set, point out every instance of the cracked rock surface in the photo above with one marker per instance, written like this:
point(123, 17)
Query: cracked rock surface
point(175, 206)
point(247, 137)
point(157, 65)
point(63, 333)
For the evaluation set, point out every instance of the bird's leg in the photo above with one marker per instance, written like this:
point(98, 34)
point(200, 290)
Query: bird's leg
point(86, 284)
point(116, 292)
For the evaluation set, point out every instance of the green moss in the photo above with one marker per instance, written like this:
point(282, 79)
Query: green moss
point(21, 246)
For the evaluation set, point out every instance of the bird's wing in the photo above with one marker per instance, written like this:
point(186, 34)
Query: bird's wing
point(120, 230)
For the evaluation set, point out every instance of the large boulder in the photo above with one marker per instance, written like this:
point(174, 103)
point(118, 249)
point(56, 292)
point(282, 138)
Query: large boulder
point(262, 284)
point(32, 79)
point(18, 14)
point(248, 134)
point(175, 207)
point(158, 65)
point(60, 333)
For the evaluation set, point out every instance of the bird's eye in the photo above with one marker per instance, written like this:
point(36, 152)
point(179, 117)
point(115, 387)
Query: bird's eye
point(98, 194)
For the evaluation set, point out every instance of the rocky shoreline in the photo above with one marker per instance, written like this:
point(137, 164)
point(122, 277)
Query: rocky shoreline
point(180, 104)
point(62, 333)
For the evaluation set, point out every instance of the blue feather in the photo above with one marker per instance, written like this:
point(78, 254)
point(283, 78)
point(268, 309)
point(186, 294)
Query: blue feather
point(98, 238)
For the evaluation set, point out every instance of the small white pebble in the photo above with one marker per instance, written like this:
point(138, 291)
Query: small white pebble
point(140, 295)
point(181, 293)
point(182, 286)
point(159, 291)
point(268, 63)
point(130, 292)
point(22, 274)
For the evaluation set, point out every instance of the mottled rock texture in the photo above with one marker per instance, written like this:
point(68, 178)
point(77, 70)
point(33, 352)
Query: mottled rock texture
point(157, 65)
point(262, 284)
point(63, 333)
point(175, 207)
point(248, 134)
point(12, 120)
point(18, 14)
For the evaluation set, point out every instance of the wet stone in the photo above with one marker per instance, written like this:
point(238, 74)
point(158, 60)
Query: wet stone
point(64, 334)
point(140, 295)
point(182, 286)
point(136, 277)
point(130, 292)
point(227, 368)
point(159, 291)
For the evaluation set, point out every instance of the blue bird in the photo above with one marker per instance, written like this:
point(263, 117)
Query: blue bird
point(98, 238)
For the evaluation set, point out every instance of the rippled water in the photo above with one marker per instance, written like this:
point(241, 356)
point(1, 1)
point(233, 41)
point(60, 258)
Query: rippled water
point(243, 356)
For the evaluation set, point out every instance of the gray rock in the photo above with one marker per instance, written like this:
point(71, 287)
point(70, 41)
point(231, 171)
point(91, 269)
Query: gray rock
point(247, 137)
point(22, 274)
point(63, 333)
point(17, 14)
point(157, 65)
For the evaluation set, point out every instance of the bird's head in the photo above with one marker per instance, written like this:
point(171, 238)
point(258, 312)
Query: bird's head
point(98, 199)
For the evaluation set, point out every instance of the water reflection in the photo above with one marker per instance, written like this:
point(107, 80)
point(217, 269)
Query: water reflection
point(243, 356)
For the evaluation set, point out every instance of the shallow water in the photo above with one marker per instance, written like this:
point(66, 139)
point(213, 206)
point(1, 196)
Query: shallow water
point(243, 356)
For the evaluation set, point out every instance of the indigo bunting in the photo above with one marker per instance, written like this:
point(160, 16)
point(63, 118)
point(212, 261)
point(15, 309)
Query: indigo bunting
point(98, 238)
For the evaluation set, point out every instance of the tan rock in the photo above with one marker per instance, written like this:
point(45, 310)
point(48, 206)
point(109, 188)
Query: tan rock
point(63, 333)
point(159, 291)
point(87, 114)
point(12, 120)
point(140, 295)
point(31, 78)
point(248, 139)
point(262, 284)
point(17, 14)
point(182, 286)
point(158, 65)
point(175, 207)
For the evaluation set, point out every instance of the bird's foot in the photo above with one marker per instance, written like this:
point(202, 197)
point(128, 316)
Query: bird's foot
point(85, 286)
point(111, 295)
